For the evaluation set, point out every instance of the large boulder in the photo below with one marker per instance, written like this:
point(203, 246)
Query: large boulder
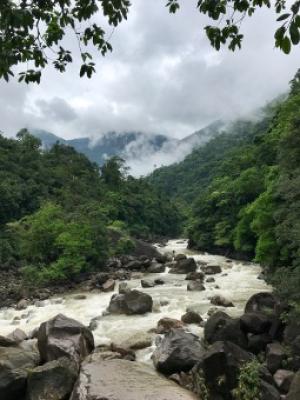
point(14, 365)
point(156, 268)
point(255, 322)
point(195, 286)
point(125, 380)
point(221, 327)
point(64, 337)
point(178, 351)
point(275, 356)
point(195, 276)
point(283, 379)
point(184, 266)
point(220, 367)
point(263, 302)
point(211, 269)
point(133, 302)
point(191, 317)
point(147, 283)
point(294, 392)
point(164, 325)
point(219, 300)
point(53, 380)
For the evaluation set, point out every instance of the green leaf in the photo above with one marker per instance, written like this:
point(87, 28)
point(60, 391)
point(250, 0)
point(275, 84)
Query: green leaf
point(286, 45)
point(283, 17)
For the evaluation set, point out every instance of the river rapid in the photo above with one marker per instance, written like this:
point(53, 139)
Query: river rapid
point(237, 282)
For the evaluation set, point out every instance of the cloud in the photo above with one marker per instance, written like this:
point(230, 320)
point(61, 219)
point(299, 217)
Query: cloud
point(162, 77)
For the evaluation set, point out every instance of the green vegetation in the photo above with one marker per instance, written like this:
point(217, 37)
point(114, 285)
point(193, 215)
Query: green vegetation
point(244, 187)
point(249, 382)
point(33, 32)
point(61, 215)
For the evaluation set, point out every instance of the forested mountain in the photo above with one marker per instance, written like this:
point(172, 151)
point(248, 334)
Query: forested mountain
point(244, 187)
point(58, 211)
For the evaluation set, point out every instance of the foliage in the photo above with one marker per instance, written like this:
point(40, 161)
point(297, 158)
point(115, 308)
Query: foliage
point(33, 32)
point(249, 382)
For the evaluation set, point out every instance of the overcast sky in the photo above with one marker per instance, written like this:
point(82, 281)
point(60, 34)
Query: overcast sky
point(162, 77)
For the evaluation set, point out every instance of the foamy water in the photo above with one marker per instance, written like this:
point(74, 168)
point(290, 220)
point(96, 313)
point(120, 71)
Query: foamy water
point(238, 285)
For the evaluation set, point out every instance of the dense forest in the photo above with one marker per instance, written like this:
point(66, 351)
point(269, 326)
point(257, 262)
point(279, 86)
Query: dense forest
point(241, 192)
point(60, 214)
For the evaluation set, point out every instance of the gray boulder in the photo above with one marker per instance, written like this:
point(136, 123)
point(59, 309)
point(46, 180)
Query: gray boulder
point(219, 300)
point(156, 268)
point(193, 286)
point(195, 276)
point(133, 302)
point(191, 317)
point(274, 356)
point(147, 283)
point(184, 266)
point(294, 392)
point(263, 302)
point(211, 269)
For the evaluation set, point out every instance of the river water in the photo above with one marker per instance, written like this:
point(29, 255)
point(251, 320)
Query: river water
point(237, 282)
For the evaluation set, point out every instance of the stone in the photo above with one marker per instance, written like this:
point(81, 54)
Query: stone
point(156, 268)
point(22, 304)
point(159, 281)
point(134, 265)
point(79, 297)
point(53, 380)
point(255, 322)
point(193, 286)
point(133, 302)
point(109, 285)
point(211, 269)
point(64, 337)
point(219, 300)
point(268, 391)
point(294, 392)
point(124, 380)
point(5, 341)
point(17, 335)
point(147, 283)
point(210, 280)
point(164, 325)
point(180, 257)
point(191, 318)
point(178, 351)
point(263, 302)
point(14, 365)
point(283, 379)
point(123, 288)
point(138, 341)
point(274, 356)
point(195, 276)
point(221, 327)
point(184, 266)
point(258, 343)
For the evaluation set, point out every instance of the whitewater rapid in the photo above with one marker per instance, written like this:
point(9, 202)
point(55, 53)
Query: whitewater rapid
point(237, 282)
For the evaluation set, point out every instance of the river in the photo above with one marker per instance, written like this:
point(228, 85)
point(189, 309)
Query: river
point(237, 282)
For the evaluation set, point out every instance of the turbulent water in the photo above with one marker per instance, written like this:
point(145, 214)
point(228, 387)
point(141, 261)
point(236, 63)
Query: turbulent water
point(237, 283)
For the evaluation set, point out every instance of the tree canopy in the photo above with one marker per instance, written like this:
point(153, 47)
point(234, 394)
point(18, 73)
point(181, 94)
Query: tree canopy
point(32, 32)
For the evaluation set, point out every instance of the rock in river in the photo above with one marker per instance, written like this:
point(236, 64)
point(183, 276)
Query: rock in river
point(133, 302)
point(125, 380)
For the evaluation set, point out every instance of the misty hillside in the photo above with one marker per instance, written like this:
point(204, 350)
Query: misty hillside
point(143, 152)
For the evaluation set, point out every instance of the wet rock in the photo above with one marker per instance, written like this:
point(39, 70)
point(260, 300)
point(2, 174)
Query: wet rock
point(211, 269)
point(133, 302)
point(138, 341)
point(125, 380)
point(53, 380)
point(109, 285)
point(156, 268)
point(178, 351)
point(64, 337)
point(221, 327)
point(283, 379)
point(219, 300)
point(6, 341)
point(113, 263)
point(220, 365)
point(159, 281)
point(22, 304)
point(258, 343)
point(268, 391)
point(195, 276)
point(195, 286)
point(263, 302)
point(291, 332)
point(212, 310)
point(14, 365)
point(294, 392)
point(275, 356)
point(164, 325)
point(163, 258)
point(134, 265)
point(147, 283)
point(123, 288)
point(40, 303)
point(79, 297)
point(184, 266)
point(191, 318)
point(255, 322)
point(210, 280)
point(180, 257)
point(17, 335)
point(93, 325)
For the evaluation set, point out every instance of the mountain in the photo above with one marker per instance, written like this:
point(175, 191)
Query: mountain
point(143, 152)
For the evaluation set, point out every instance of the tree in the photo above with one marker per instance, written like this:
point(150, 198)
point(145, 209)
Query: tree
point(32, 32)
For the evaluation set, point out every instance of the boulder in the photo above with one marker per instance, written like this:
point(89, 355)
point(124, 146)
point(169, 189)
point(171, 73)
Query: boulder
point(178, 351)
point(156, 268)
point(17, 335)
point(184, 266)
point(64, 337)
point(291, 331)
point(124, 380)
point(263, 302)
point(256, 322)
point(220, 367)
point(195, 276)
point(138, 341)
point(22, 304)
point(258, 343)
point(268, 391)
point(80, 297)
point(210, 280)
point(109, 285)
point(14, 365)
point(211, 269)
point(283, 379)
point(147, 283)
point(53, 380)
point(6, 341)
point(133, 302)
point(180, 257)
point(123, 288)
point(221, 327)
point(135, 265)
point(195, 286)
point(294, 392)
point(164, 325)
point(159, 281)
point(191, 318)
point(219, 300)
point(274, 356)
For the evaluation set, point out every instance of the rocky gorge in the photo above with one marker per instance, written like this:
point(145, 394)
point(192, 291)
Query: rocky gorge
point(171, 324)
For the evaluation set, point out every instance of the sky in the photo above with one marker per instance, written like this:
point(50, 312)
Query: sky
point(162, 77)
